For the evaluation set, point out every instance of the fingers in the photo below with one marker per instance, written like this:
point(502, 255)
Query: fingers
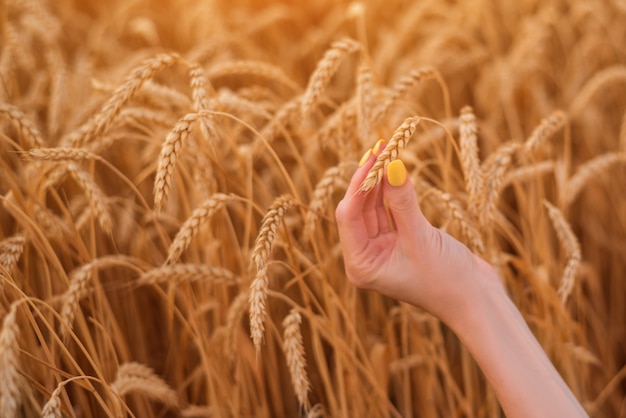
point(402, 199)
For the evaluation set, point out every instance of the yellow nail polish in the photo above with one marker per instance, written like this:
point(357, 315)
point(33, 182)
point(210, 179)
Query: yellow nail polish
point(365, 157)
point(376, 148)
point(396, 173)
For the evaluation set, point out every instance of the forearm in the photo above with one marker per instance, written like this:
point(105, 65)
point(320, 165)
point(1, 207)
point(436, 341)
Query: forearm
point(525, 381)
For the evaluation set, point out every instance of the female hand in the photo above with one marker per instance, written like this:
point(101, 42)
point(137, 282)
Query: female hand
point(390, 247)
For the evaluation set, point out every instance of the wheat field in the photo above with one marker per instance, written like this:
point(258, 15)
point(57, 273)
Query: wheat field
point(170, 171)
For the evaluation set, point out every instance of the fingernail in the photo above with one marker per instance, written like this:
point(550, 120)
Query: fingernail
point(396, 173)
point(365, 157)
point(376, 147)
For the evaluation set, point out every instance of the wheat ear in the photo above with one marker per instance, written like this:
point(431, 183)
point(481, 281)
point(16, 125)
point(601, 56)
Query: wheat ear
point(11, 250)
point(396, 143)
point(10, 377)
point(236, 311)
point(324, 71)
point(95, 196)
point(546, 128)
point(569, 241)
point(137, 378)
point(470, 162)
point(260, 255)
point(167, 159)
point(61, 154)
point(192, 225)
point(178, 273)
point(28, 131)
point(52, 408)
point(294, 353)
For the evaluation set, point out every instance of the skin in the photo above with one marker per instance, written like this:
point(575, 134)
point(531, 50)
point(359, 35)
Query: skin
point(408, 259)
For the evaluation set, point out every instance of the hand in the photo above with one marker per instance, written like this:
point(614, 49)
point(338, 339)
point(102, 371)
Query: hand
point(397, 252)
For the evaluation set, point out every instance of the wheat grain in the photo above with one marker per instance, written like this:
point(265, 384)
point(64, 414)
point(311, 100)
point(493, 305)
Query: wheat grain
point(325, 69)
point(187, 273)
point(192, 225)
point(294, 353)
point(11, 380)
point(590, 169)
point(138, 378)
point(29, 133)
point(395, 144)
point(470, 162)
point(569, 241)
point(95, 196)
point(167, 159)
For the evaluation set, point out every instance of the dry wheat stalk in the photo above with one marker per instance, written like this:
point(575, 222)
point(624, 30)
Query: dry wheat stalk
point(192, 225)
point(333, 179)
point(61, 154)
point(470, 162)
point(178, 273)
point(400, 89)
point(396, 143)
point(622, 135)
point(137, 378)
point(294, 353)
point(95, 196)
point(569, 241)
point(546, 128)
point(324, 71)
point(11, 250)
point(101, 122)
point(10, 378)
point(235, 313)
point(590, 169)
point(260, 255)
point(167, 159)
point(27, 129)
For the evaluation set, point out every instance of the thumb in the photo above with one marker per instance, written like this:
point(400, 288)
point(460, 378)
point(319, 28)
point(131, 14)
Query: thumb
point(401, 198)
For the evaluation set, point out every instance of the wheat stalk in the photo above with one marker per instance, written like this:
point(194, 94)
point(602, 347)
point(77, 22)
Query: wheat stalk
point(470, 161)
point(10, 377)
point(569, 241)
point(260, 255)
point(324, 71)
point(192, 225)
point(178, 273)
point(395, 144)
point(294, 353)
